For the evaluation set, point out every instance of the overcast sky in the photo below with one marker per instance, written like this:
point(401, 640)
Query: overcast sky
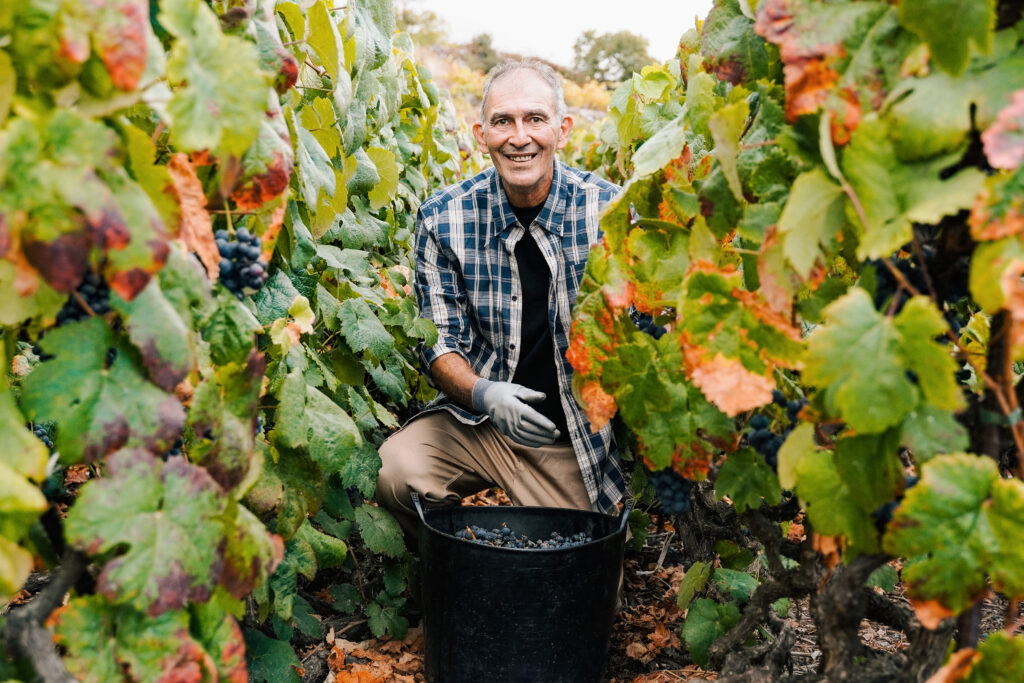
point(548, 28)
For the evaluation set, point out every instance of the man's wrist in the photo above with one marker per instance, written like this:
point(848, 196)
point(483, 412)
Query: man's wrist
point(479, 389)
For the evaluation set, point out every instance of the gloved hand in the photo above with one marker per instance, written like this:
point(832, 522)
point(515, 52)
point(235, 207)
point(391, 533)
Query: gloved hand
point(506, 404)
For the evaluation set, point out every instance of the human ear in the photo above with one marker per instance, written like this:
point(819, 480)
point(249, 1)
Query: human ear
point(563, 132)
point(478, 133)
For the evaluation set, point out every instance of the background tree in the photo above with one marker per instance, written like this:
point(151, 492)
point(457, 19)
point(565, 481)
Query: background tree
point(610, 57)
point(482, 54)
point(425, 27)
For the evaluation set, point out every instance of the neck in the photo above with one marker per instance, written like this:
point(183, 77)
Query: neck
point(527, 198)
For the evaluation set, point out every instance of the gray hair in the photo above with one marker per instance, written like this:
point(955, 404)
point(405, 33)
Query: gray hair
point(538, 67)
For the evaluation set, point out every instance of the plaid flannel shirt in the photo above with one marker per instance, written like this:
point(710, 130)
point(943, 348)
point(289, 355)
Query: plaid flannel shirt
point(467, 282)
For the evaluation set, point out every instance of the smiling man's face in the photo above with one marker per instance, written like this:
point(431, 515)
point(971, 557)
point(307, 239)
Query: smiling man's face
point(521, 131)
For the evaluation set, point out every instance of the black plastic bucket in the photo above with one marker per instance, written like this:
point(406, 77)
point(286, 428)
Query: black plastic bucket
point(504, 615)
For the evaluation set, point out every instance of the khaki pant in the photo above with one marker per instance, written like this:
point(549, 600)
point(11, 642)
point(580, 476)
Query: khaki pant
point(445, 460)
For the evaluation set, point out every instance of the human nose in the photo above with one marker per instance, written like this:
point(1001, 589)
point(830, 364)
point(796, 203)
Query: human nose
point(519, 137)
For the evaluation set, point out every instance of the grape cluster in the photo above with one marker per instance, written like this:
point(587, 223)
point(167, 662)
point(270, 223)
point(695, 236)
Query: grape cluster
point(94, 291)
point(240, 266)
point(763, 440)
point(177, 450)
point(673, 490)
point(506, 538)
point(645, 322)
point(882, 515)
point(43, 435)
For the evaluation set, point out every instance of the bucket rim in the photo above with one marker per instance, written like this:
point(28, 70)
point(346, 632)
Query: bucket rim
point(618, 531)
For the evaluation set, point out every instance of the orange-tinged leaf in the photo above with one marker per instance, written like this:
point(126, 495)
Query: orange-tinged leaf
point(599, 405)
point(1004, 139)
point(828, 546)
point(196, 228)
point(730, 386)
point(269, 236)
point(121, 40)
point(636, 650)
point(266, 167)
point(957, 668)
point(986, 226)
point(1013, 289)
point(930, 612)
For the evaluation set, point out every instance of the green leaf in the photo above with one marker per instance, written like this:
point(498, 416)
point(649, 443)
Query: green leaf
point(733, 51)
point(21, 503)
point(380, 531)
point(694, 580)
point(732, 556)
point(949, 27)
point(706, 622)
point(220, 91)
point(16, 564)
point(918, 324)
point(812, 216)
point(330, 552)
point(1002, 659)
point(384, 615)
point(928, 431)
point(885, 577)
point(737, 585)
point(251, 552)
point(8, 84)
point(956, 527)
point(832, 508)
point(363, 330)
point(324, 38)
point(221, 637)
point(99, 409)
point(103, 641)
point(797, 445)
point(361, 468)
point(160, 335)
point(746, 479)
point(726, 126)
point(316, 172)
point(20, 449)
point(661, 148)
point(345, 597)
point(167, 517)
point(870, 468)
point(857, 337)
point(270, 660)
point(290, 487)
point(387, 168)
point(230, 330)
point(332, 433)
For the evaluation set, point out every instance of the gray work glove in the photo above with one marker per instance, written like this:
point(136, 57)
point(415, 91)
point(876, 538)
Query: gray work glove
point(506, 404)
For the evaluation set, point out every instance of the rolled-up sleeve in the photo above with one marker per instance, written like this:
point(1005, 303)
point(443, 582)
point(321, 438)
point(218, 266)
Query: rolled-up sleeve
point(440, 293)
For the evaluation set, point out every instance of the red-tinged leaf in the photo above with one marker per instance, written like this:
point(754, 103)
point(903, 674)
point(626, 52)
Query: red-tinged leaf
point(105, 642)
point(196, 227)
point(599, 405)
point(251, 554)
point(779, 282)
point(120, 36)
point(161, 336)
point(221, 637)
point(1013, 291)
point(6, 238)
point(62, 261)
point(165, 518)
point(267, 165)
point(1004, 139)
point(730, 386)
point(998, 210)
point(930, 613)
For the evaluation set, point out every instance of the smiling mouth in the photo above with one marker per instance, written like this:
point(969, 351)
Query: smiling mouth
point(521, 158)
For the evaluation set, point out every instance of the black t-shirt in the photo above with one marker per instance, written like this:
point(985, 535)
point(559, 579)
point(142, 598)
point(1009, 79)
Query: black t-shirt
point(536, 368)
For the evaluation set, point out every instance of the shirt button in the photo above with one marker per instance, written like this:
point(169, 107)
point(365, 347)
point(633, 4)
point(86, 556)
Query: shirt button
point(515, 298)
point(512, 346)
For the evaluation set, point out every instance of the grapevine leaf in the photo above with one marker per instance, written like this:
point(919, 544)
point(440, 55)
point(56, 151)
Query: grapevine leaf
point(885, 577)
point(831, 506)
point(869, 466)
point(726, 126)
point(361, 468)
point(270, 660)
point(731, 50)
point(167, 516)
point(384, 616)
point(949, 27)
point(220, 91)
point(745, 478)
point(660, 149)
point(380, 531)
point(16, 564)
point(290, 487)
point(104, 640)
point(299, 560)
point(20, 450)
point(267, 165)
point(993, 259)
point(798, 444)
point(8, 84)
point(45, 302)
point(332, 432)
point(221, 637)
point(1004, 139)
point(160, 335)
point(918, 324)
point(812, 216)
point(323, 37)
point(196, 226)
point(330, 552)
point(737, 585)
point(387, 169)
point(21, 503)
point(694, 580)
point(934, 115)
point(1000, 658)
point(99, 409)
point(857, 336)
point(275, 298)
point(363, 330)
point(952, 533)
point(230, 330)
point(251, 553)
point(706, 622)
point(928, 431)
point(893, 194)
point(315, 170)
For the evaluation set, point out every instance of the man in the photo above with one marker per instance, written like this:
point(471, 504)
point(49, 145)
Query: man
point(499, 259)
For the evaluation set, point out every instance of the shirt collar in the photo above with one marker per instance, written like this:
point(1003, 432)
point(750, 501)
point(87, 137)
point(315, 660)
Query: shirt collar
point(550, 216)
